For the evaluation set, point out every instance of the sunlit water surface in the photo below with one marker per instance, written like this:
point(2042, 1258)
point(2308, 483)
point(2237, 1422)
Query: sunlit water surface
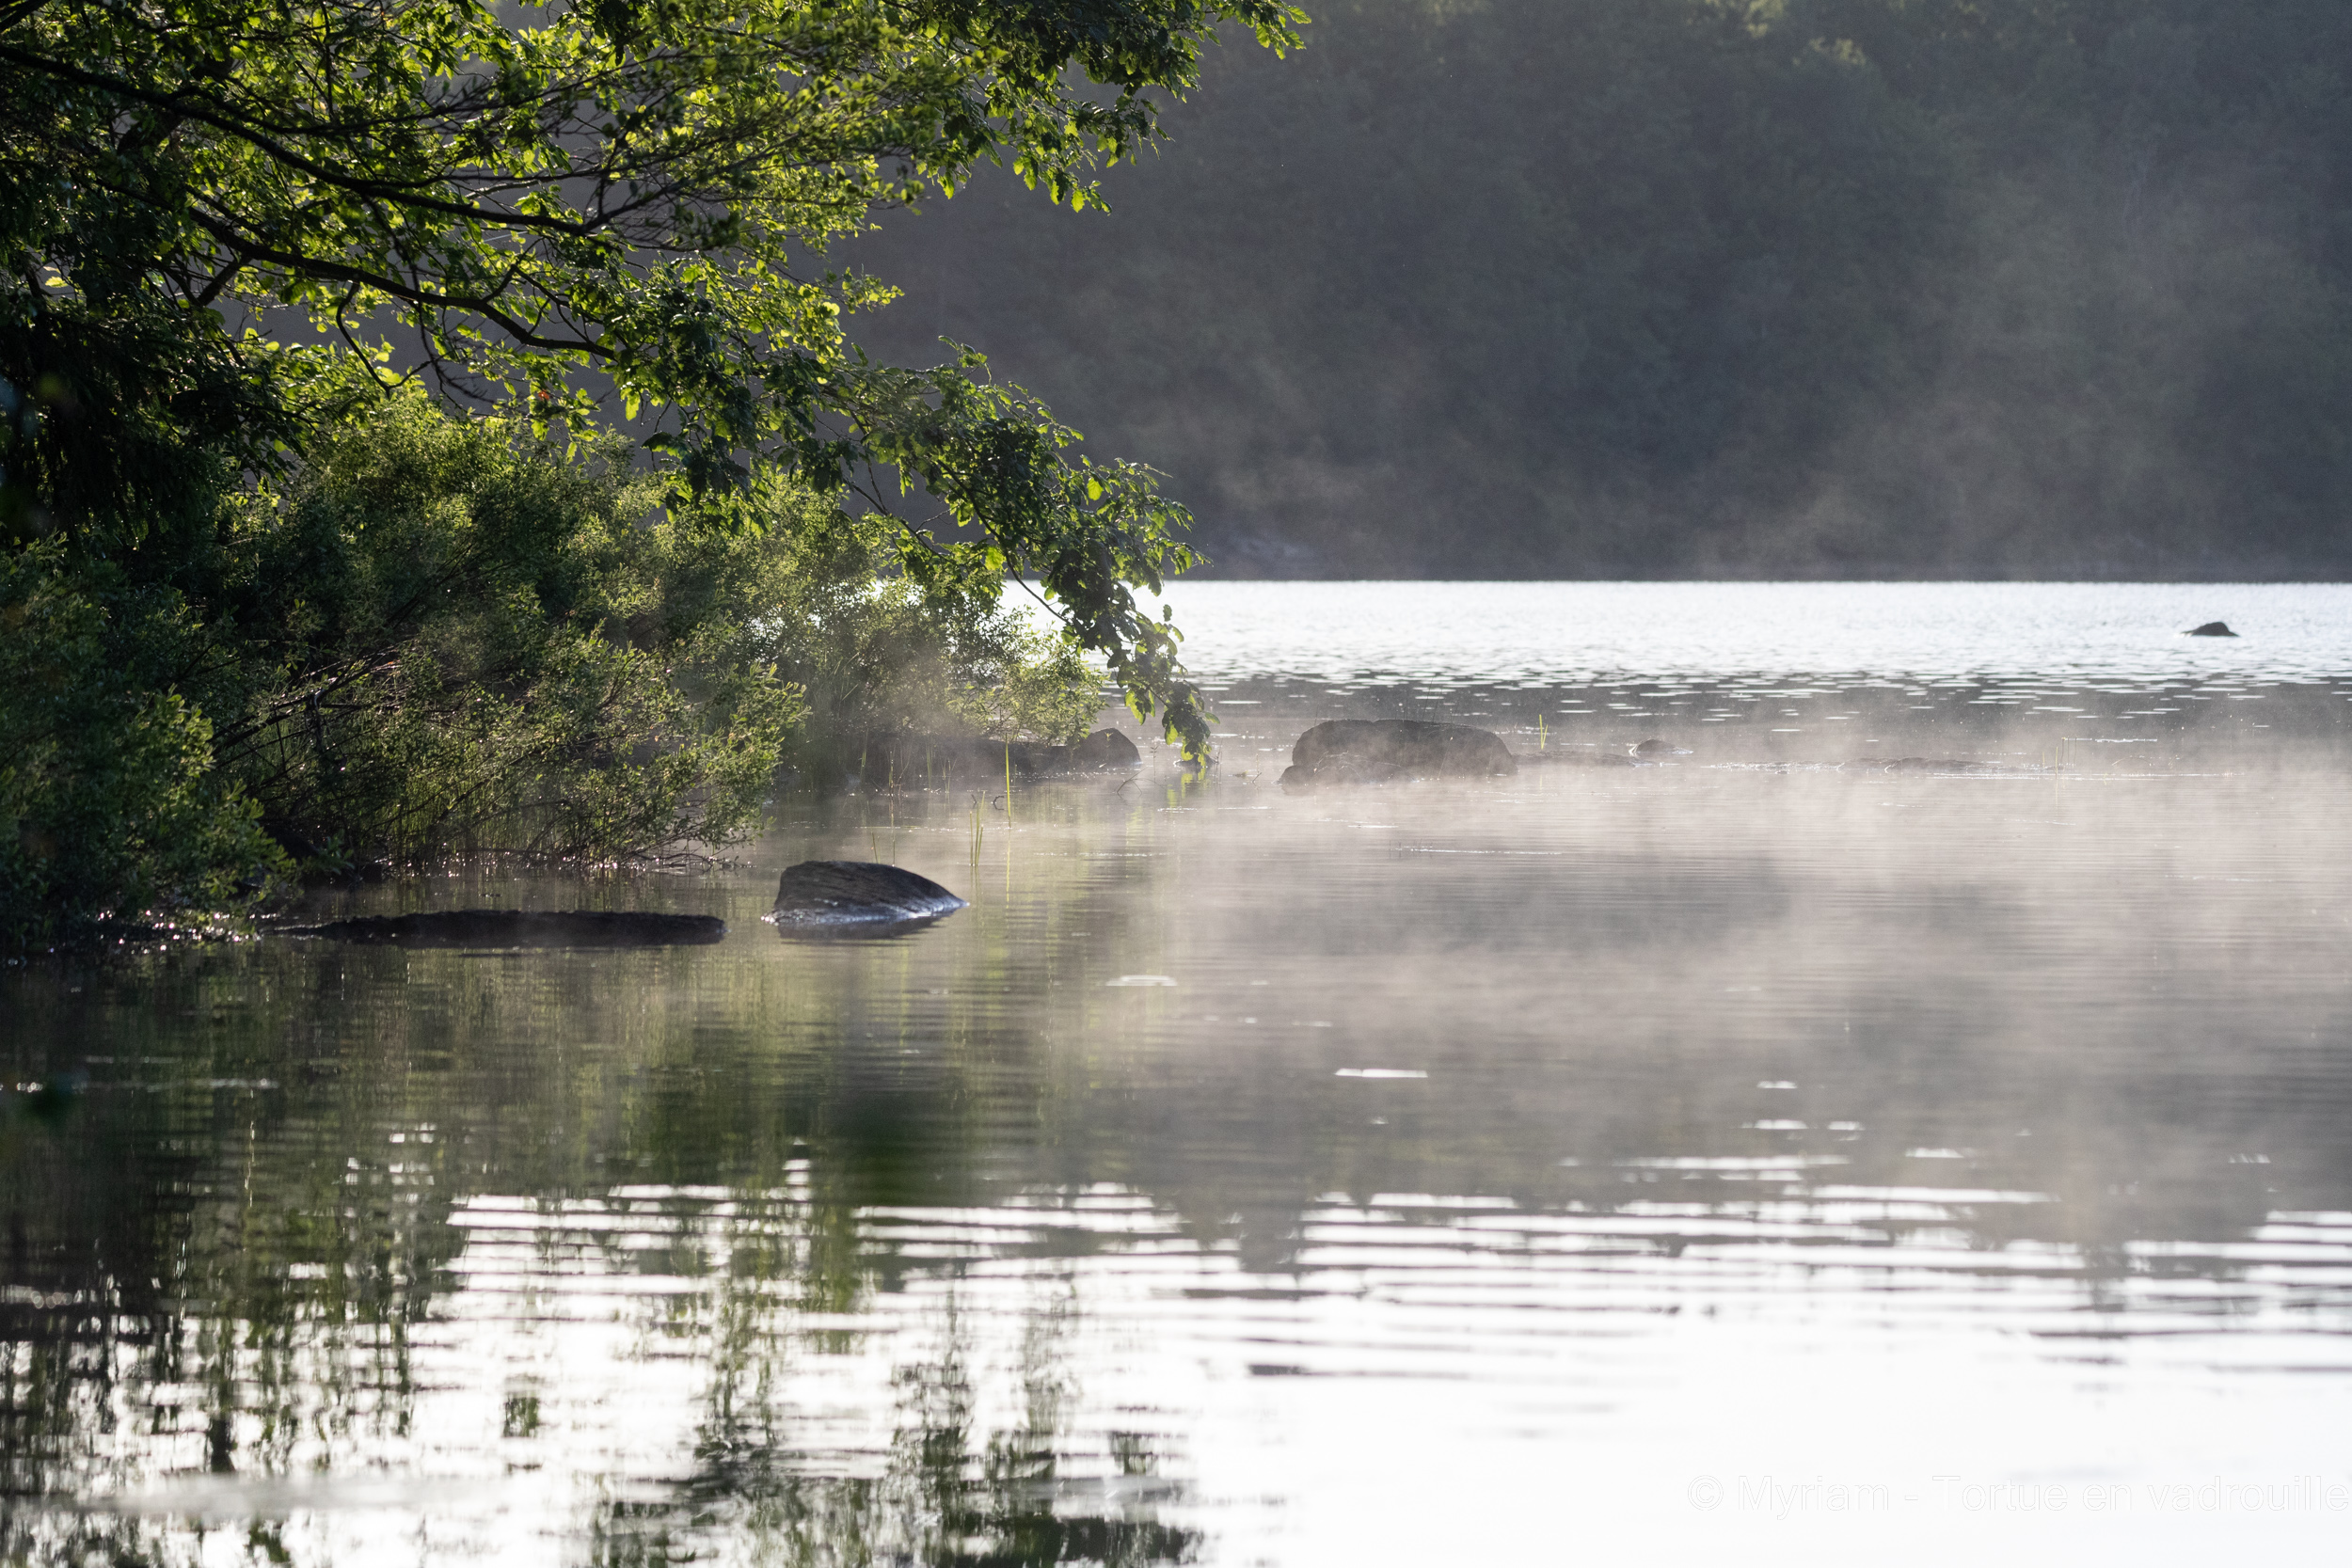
point(1758, 1156)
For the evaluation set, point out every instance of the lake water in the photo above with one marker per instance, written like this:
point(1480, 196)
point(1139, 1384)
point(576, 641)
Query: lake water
point(1762, 1155)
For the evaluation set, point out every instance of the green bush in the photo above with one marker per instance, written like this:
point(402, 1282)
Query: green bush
point(880, 663)
point(442, 636)
point(457, 639)
point(111, 808)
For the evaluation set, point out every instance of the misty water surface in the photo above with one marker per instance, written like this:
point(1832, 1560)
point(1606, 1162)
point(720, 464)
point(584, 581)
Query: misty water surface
point(1765, 1155)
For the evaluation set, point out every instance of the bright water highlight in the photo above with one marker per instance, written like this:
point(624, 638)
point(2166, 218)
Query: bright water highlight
point(1762, 1156)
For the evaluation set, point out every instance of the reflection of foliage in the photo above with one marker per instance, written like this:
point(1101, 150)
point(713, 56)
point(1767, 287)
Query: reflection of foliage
point(239, 1156)
point(943, 1502)
point(171, 1202)
point(242, 1304)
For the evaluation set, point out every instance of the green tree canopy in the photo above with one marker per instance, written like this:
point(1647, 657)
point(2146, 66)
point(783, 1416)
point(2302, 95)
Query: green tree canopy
point(537, 201)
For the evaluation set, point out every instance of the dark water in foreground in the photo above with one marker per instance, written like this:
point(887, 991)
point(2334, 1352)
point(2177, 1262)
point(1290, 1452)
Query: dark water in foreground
point(1745, 1159)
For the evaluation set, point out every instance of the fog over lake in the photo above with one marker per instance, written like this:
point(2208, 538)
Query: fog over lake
point(1904, 1119)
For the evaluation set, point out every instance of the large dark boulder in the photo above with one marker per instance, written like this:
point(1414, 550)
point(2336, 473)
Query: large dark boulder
point(522, 929)
point(833, 897)
point(1102, 750)
point(1375, 751)
point(2211, 629)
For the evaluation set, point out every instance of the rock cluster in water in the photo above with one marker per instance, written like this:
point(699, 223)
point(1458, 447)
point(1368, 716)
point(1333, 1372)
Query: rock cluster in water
point(857, 896)
point(1376, 751)
point(522, 929)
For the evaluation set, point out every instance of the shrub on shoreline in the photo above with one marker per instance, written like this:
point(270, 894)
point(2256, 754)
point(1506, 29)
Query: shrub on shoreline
point(442, 636)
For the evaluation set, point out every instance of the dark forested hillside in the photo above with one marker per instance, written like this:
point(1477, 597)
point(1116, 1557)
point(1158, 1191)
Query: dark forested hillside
point(1974, 288)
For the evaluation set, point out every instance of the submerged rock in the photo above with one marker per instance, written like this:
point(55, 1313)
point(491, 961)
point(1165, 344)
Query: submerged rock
point(1655, 747)
point(522, 929)
point(857, 896)
point(2211, 629)
point(1375, 751)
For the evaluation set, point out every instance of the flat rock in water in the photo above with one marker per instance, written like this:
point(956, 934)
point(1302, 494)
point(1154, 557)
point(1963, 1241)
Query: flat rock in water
point(1375, 751)
point(2211, 629)
point(522, 929)
point(854, 896)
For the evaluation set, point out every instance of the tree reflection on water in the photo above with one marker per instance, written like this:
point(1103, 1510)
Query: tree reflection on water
point(850, 1253)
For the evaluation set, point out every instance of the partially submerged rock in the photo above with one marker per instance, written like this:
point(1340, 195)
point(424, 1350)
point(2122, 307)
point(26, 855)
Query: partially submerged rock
point(1376, 751)
point(2211, 629)
point(1654, 747)
point(1103, 750)
point(853, 897)
point(522, 929)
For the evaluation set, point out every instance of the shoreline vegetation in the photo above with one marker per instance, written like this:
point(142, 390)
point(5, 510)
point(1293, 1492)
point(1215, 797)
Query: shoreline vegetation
point(427, 432)
point(446, 638)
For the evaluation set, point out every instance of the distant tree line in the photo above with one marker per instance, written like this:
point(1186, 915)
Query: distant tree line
point(1744, 288)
